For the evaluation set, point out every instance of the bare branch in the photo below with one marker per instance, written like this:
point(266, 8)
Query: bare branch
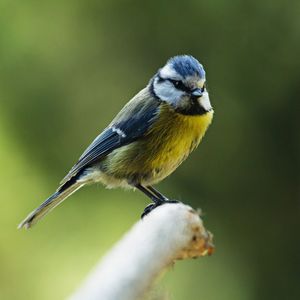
point(170, 232)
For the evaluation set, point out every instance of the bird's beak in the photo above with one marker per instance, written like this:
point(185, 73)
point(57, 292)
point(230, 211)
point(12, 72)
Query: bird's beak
point(196, 93)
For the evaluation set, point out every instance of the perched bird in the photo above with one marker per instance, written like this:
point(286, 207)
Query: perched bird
point(147, 140)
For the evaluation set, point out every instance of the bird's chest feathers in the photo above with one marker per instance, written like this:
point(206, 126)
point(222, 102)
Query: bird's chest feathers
point(175, 135)
point(159, 152)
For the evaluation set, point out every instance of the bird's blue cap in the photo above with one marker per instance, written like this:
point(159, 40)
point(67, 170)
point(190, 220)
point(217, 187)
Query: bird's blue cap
point(187, 65)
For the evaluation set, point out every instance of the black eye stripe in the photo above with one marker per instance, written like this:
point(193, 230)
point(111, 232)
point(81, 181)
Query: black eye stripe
point(160, 79)
point(179, 85)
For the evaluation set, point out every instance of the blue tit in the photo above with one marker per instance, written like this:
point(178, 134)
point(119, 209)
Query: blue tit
point(147, 140)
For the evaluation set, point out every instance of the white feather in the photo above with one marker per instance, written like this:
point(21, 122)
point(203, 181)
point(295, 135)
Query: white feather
point(168, 72)
point(167, 92)
point(118, 131)
point(205, 102)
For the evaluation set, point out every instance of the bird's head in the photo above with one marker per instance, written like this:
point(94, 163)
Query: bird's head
point(181, 84)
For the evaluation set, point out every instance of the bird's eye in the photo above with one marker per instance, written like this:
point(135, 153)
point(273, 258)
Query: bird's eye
point(179, 85)
point(203, 88)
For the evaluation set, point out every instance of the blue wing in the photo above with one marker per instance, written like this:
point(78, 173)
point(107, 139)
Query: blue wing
point(128, 126)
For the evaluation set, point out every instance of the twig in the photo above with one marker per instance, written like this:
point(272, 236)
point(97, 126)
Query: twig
point(170, 232)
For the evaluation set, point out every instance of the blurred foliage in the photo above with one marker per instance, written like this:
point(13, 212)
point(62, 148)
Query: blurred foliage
point(68, 66)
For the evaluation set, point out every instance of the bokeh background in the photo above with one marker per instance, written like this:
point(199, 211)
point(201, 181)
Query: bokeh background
point(67, 67)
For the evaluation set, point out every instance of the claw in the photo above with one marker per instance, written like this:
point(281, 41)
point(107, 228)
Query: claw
point(152, 206)
point(147, 209)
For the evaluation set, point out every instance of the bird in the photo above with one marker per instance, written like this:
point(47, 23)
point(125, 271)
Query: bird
point(147, 140)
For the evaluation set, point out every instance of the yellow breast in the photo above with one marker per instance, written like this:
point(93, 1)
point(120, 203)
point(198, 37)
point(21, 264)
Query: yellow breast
point(162, 149)
point(175, 136)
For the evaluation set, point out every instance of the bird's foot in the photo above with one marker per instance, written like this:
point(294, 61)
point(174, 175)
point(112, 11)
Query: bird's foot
point(152, 206)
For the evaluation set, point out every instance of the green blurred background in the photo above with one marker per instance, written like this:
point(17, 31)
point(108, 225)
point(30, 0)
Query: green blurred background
point(67, 67)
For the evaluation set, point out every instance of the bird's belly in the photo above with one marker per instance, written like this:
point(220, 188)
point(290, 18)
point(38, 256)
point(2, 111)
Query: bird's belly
point(159, 153)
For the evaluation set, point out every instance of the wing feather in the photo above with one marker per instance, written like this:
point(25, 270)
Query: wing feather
point(130, 124)
point(106, 142)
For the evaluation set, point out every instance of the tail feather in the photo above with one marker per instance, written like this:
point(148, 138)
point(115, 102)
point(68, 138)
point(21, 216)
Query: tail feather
point(49, 204)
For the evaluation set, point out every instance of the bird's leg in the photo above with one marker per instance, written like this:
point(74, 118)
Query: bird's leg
point(157, 193)
point(162, 197)
point(155, 196)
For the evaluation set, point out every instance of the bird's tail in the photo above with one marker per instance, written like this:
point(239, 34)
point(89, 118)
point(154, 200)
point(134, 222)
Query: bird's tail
point(58, 197)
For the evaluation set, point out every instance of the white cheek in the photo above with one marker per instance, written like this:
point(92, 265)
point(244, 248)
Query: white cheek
point(204, 102)
point(167, 92)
